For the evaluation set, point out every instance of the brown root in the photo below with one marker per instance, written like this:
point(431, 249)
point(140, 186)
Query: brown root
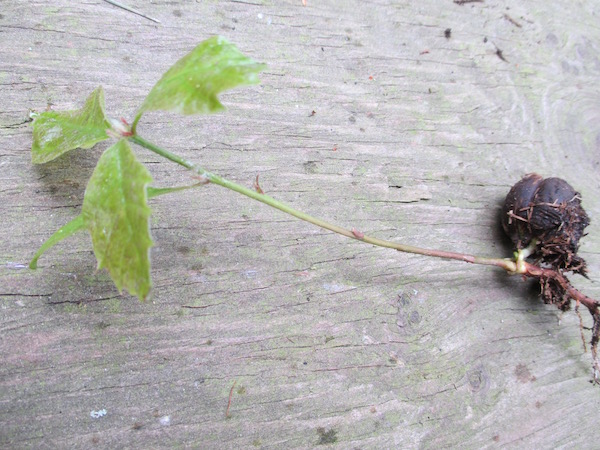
point(557, 290)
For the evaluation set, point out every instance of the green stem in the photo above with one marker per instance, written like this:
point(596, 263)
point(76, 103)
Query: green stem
point(134, 124)
point(505, 264)
point(164, 153)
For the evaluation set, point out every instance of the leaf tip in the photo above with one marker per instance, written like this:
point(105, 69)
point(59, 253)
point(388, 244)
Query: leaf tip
point(143, 296)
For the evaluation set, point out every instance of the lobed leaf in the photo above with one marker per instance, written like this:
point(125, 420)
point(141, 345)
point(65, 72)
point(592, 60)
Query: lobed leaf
point(191, 85)
point(55, 133)
point(116, 213)
point(78, 223)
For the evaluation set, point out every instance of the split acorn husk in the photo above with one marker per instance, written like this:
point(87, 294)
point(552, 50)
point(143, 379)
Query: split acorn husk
point(546, 215)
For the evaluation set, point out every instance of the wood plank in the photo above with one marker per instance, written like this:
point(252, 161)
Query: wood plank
point(414, 137)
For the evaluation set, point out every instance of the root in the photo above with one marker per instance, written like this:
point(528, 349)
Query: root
point(556, 289)
point(580, 327)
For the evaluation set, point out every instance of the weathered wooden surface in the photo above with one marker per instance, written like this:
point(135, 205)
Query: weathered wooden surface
point(328, 341)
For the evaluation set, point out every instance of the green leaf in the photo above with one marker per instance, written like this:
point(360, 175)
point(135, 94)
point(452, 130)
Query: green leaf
point(192, 84)
point(65, 231)
point(116, 214)
point(78, 223)
point(55, 133)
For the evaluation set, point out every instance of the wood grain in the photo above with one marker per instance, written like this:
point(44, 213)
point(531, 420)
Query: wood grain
point(368, 116)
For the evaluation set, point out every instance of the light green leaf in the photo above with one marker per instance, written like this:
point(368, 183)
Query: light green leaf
point(192, 84)
point(65, 231)
point(55, 133)
point(78, 224)
point(116, 213)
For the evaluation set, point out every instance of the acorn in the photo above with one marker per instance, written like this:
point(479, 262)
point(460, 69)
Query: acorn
point(546, 215)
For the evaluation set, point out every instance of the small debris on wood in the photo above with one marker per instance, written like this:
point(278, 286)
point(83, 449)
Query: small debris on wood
point(312, 113)
point(165, 421)
point(498, 51)
point(131, 10)
point(227, 415)
point(98, 414)
point(513, 21)
point(464, 2)
point(448, 33)
point(424, 52)
point(326, 436)
point(500, 55)
point(257, 187)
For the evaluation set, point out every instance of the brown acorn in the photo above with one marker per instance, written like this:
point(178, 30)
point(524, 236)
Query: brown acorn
point(546, 211)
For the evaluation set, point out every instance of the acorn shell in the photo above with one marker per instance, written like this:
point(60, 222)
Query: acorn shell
point(516, 209)
point(549, 211)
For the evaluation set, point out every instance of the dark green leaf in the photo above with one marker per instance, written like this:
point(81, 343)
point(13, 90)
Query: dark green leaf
point(65, 231)
point(116, 214)
point(192, 84)
point(55, 133)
